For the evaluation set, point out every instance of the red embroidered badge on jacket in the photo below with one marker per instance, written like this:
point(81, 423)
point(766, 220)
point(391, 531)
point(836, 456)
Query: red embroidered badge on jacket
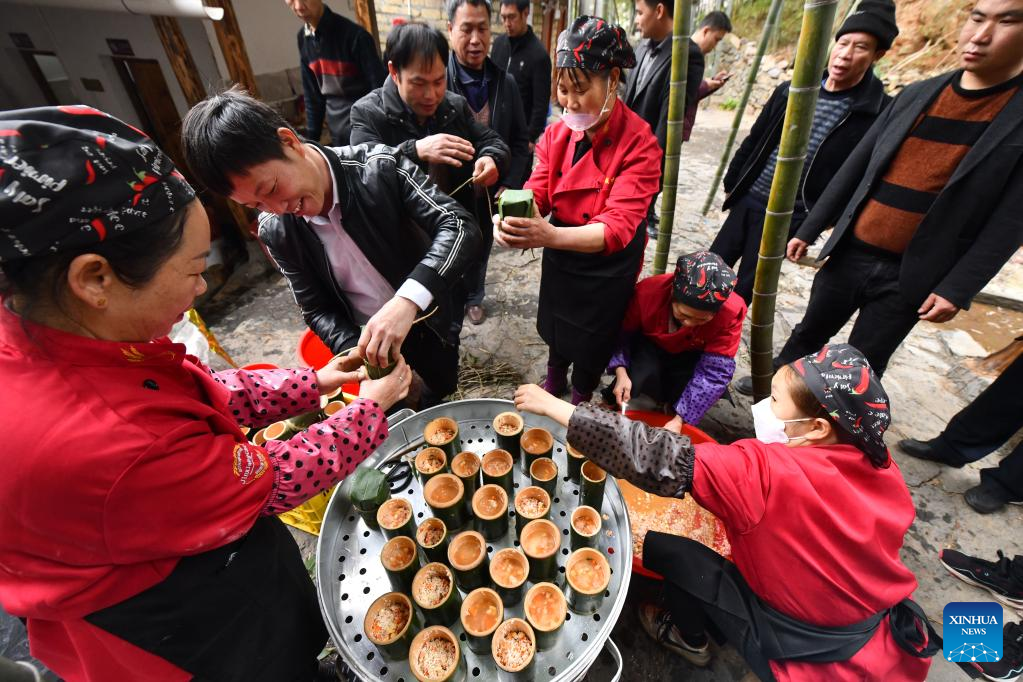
point(249, 462)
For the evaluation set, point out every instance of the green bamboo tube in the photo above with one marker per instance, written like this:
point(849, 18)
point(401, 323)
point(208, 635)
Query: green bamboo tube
point(369, 513)
point(445, 495)
point(509, 569)
point(434, 591)
point(392, 641)
point(543, 473)
point(423, 641)
point(279, 431)
point(259, 438)
point(507, 632)
point(434, 546)
point(303, 421)
point(751, 79)
point(535, 443)
point(401, 562)
point(247, 432)
point(467, 556)
point(395, 518)
point(482, 611)
point(490, 507)
point(498, 470)
point(466, 465)
point(335, 396)
point(530, 504)
point(682, 28)
point(545, 608)
point(585, 528)
point(333, 408)
point(430, 462)
point(540, 541)
point(587, 575)
point(443, 433)
point(575, 463)
point(508, 429)
point(591, 485)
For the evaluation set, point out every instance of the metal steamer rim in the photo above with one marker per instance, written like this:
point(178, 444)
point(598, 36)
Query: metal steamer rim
point(350, 575)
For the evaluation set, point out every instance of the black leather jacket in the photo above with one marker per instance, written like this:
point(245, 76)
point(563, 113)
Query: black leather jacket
point(752, 156)
point(403, 224)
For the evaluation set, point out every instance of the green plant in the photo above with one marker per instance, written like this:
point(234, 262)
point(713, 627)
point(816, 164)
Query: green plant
point(730, 104)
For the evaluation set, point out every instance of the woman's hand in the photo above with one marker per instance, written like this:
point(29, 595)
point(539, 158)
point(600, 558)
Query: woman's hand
point(623, 386)
point(524, 233)
point(389, 390)
point(342, 369)
point(532, 398)
point(675, 424)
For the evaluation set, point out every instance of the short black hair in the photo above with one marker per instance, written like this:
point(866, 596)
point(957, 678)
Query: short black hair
point(717, 21)
point(520, 5)
point(230, 133)
point(669, 6)
point(453, 6)
point(415, 41)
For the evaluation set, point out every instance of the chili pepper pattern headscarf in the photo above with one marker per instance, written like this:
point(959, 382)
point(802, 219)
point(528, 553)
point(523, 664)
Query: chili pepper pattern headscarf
point(702, 281)
point(594, 44)
point(842, 380)
point(72, 176)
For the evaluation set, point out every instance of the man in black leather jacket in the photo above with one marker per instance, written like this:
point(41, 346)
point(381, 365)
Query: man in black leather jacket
point(362, 235)
point(851, 98)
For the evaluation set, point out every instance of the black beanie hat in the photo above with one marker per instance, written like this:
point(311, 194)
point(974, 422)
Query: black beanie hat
point(876, 17)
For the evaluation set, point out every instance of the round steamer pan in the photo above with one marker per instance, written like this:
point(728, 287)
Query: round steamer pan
point(347, 546)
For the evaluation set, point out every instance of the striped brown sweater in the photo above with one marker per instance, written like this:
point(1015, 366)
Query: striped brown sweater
point(940, 140)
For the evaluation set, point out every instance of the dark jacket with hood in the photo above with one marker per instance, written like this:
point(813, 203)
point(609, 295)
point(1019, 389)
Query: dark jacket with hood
point(402, 223)
point(755, 151)
point(381, 117)
point(506, 117)
point(974, 225)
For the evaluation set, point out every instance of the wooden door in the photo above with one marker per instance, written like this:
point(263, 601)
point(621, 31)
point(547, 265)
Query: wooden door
point(148, 90)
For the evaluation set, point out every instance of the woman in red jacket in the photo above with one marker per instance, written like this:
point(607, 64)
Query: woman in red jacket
point(139, 540)
point(597, 170)
point(815, 511)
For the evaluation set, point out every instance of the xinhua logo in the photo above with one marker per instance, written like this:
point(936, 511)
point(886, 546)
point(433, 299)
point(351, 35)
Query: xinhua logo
point(972, 632)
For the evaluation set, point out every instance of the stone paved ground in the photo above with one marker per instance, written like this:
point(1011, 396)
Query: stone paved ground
point(928, 380)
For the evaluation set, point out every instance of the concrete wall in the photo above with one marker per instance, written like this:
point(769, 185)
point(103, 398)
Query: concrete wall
point(78, 37)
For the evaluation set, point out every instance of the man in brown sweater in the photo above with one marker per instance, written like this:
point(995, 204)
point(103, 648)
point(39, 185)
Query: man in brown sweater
point(926, 208)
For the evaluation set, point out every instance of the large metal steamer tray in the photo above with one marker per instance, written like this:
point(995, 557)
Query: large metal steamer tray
point(350, 575)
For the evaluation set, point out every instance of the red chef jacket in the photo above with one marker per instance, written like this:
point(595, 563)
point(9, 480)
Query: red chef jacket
point(121, 458)
point(816, 532)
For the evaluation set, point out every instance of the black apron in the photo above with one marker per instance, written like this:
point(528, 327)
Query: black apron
point(246, 611)
point(762, 633)
point(583, 299)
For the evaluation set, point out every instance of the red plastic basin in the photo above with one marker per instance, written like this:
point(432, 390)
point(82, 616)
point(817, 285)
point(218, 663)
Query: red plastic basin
point(260, 365)
point(314, 353)
point(695, 435)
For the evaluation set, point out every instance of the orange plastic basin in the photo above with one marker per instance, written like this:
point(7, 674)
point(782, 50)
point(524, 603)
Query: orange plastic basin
point(314, 353)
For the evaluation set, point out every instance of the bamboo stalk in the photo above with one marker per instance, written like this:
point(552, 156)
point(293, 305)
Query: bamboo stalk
point(682, 27)
point(769, 27)
point(814, 41)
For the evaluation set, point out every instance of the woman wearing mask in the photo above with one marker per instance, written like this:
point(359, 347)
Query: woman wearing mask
point(597, 170)
point(815, 511)
point(139, 539)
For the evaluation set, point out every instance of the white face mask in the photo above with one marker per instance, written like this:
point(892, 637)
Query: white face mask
point(584, 120)
point(768, 427)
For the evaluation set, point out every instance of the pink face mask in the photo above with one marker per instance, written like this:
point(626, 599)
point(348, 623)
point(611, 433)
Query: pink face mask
point(584, 120)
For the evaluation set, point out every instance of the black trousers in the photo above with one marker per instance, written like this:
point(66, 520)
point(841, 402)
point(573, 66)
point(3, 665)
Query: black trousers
point(583, 380)
point(435, 359)
point(475, 276)
point(657, 373)
point(739, 240)
point(985, 425)
point(852, 279)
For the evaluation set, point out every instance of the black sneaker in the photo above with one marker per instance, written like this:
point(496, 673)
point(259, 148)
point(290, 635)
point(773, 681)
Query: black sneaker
point(1011, 665)
point(744, 385)
point(1002, 578)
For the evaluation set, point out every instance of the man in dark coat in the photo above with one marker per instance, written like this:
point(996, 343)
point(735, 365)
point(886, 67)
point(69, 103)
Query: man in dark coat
point(340, 64)
point(493, 98)
point(926, 210)
point(519, 52)
point(851, 98)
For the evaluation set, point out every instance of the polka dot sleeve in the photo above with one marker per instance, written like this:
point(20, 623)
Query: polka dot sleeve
point(656, 460)
point(328, 451)
point(262, 396)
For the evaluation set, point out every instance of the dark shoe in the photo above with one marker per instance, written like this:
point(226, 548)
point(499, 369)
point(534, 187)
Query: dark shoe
point(578, 397)
point(988, 498)
point(476, 314)
point(657, 623)
point(925, 450)
point(1011, 665)
point(1002, 578)
point(556, 381)
point(744, 385)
